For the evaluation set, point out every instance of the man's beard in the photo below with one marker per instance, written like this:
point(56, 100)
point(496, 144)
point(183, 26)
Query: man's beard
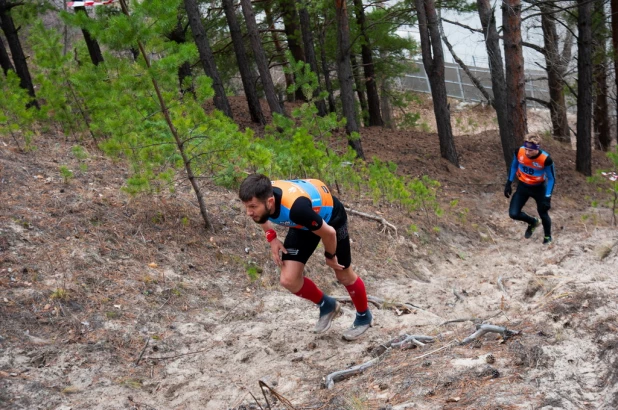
point(262, 219)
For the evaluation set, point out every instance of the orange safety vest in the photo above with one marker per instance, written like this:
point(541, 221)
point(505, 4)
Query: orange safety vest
point(531, 171)
point(314, 189)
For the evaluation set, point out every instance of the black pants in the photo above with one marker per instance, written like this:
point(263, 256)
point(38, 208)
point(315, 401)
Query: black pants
point(519, 199)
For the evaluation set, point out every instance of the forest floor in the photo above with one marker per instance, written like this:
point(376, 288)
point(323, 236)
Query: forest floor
point(109, 302)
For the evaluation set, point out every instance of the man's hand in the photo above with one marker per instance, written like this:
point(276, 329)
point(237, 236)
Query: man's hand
point(507, 189)
point(333, 263)
point(276, 246)
point(545, 205)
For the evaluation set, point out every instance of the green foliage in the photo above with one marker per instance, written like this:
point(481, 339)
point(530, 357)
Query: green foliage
point(16, 119)
point(607, 182)
point(66, 173)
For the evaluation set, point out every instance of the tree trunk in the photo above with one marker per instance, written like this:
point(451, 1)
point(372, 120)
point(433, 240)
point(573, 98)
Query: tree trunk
point(556, 71)
point(292, 32)
point(498, 83)
point(433, 60)
point(332, 106)
point(5, 60)
point(93, 46)
point(515, 79)
point(346, 78)
point(17, 52)
point(179, 36)
point(373, 99)
point(246, 73)
point(360, 90)
point(583, 158)
point(260, 58)
point(614, 8)
point(305, 25)
point(601, 109)
point(387, 113)
point(206, 56)
point(289, 77)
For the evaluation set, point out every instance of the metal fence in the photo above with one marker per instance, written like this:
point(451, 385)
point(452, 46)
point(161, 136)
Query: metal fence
point(459, 85)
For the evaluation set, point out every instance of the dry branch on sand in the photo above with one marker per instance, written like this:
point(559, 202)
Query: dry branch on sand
point(482, 329)
point(383, 350)
point(383, 221)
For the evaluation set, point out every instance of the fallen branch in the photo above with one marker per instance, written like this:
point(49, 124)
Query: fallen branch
point(474, 320)
point(457, 296)
point(178, 355)
point(330, 380)
point(278, 396)
point(482, 329)
point(501, 285)
point(373, 217)
point(143, 350)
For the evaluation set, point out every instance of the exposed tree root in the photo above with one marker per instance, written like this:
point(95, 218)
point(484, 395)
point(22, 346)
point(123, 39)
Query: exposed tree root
point(375, 218)
point(482, 329)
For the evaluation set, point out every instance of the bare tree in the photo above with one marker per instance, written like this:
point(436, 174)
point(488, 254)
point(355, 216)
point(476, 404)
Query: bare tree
point(614, 9)
point(498, 83)
point(179, 36)
point(373, 99)
point(206, 56)
point(360, 90)
point(599, 73)
point(246, 73)
point(93, 45)
point(433, 60)
point(515, 79)
point(583, 158)
point(346, 78)
point(326, 71)
point(293, 35)
point(307, 34)
point(17, 52)
point(557, 63)
point(5, 60)
point(260, 58)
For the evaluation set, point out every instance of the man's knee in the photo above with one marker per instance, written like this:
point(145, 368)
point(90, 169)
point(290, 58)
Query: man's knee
point(513, 214)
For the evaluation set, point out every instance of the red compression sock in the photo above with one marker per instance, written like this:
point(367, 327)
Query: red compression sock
point(358, 294)
point(310, 291)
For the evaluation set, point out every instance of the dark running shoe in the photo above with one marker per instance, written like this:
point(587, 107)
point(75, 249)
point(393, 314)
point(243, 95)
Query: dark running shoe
point(547, 240)
point(531, 228)
point(361, 324)
point(329, 309)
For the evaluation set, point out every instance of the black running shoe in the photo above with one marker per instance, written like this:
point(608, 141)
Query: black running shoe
point(547, 240)
point(530, 229)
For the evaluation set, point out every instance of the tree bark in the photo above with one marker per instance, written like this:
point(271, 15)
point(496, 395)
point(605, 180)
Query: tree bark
point(332, 106)
point(614, 9)
point(556, 71)
point(305, 25)
point(360, 91)
point(179, 36)
point(583, 158)
point(293, 34)
point(346, 78)
point(601, 108)
point(260, 58)
point(433, 60)
point(498, 83)
point(93, 45)
point(373, 99)
point(17, 52)
point(289, 77)
point(385, 103)
point(244, 66)
point(206, 56)
point(515, 79)
point(5, 60)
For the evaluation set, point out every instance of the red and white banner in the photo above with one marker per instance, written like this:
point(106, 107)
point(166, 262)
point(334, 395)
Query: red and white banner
point(91, 3)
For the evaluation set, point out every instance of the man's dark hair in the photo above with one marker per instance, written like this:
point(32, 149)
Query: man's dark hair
point(255, 186)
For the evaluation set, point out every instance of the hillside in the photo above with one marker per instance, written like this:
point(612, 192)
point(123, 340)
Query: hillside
point(108, 301)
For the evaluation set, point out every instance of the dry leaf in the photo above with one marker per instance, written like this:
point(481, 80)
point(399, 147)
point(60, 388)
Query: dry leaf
point(153, 265)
